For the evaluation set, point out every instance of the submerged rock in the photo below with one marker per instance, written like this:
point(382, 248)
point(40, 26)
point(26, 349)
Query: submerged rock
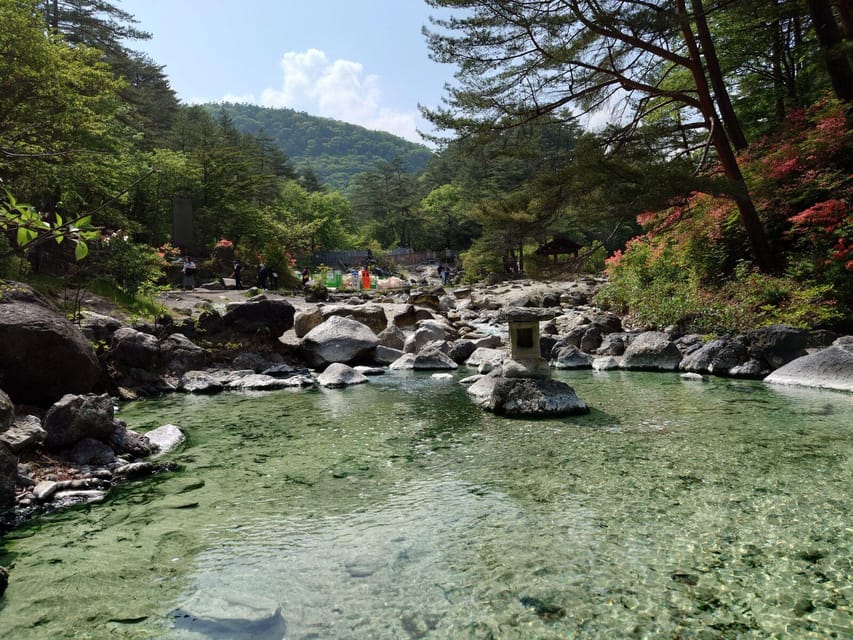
point(230, 618)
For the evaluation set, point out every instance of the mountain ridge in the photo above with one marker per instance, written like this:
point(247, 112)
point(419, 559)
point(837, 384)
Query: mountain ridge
point(334, 150)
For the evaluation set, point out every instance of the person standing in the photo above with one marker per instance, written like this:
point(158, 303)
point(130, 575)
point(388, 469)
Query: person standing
point(365, 278)
point(188, 271)
point(238, 278)
point(306, 276)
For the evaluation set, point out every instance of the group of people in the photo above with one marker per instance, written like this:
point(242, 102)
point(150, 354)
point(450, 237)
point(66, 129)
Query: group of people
point(267, 278)
point(444, 272)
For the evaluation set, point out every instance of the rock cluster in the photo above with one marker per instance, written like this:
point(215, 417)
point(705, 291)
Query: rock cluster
point(60, 441)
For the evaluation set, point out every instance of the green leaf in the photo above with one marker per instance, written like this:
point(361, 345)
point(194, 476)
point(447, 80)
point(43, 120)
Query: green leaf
point(81, 250)
point(25, 236)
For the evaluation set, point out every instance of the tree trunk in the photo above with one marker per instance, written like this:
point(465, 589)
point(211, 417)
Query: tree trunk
point(764, 258)
point(832, 44)
point(715, 74)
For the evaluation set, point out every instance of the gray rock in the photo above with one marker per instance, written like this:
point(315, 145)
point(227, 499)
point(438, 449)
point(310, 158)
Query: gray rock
point(830, 368)
point(519, 397)
point(339, 374)
point(386, 355)
point(370, 371)
point(485, 354)
point(90, 451)
point(591, 340)
point(750, 369)
point(136, 349)
point(572, 358)
point(8, 476)
point(98, 328)
point(256, 382)
point(405, 361)
point(652, 350)
point(181, 354)
point(461, 350)
point(165, 439)
point(370, 315)
point(432, 358)
point(422, 336)
point(229, 616)
point(45, 489)
point(719, 357)
point(777, 344)
point(606, 363)
point(76, 417)
point(306, 319)
point(392, 336)
point(260, 316)
point(7, 411)
point(29, 327)
point(338, 339)
point(125, 442)
point(200, 382)
point(25, 433)
point(612, 344)
point(481, 389)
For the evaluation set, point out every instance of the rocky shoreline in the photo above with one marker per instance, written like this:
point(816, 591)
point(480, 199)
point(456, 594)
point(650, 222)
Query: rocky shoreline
point(61, 444)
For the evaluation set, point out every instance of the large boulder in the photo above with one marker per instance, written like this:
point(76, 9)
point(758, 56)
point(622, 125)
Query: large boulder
point(519, 397)
point(652, 350)
point(830, 368)
point(132, 348)
point(260, 315)
point(32, 334)
point(75, 417)
point(422, 336)
point(719, 356)
point(306, 319)
point(371, 315)
point(338, 339)
point(180, 354)
point(777, 344)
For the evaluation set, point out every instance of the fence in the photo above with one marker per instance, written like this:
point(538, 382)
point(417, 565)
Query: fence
point(347, 259)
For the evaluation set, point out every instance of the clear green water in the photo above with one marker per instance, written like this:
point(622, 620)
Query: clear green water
point(399, 510)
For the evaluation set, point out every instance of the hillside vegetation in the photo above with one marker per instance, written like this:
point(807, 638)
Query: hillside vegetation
point(335, 151)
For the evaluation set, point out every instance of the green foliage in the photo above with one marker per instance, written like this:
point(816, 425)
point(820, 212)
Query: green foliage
point(30, 229)
point(134, 268)
point(335, 151)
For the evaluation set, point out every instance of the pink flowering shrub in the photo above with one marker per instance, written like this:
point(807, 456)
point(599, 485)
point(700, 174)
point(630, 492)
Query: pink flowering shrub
point(690, 265)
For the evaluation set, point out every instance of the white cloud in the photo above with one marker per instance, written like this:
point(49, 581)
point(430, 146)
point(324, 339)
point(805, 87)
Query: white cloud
point(338, 89)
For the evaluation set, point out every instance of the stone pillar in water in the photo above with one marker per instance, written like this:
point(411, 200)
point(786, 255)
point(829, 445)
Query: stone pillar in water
point(526, 360)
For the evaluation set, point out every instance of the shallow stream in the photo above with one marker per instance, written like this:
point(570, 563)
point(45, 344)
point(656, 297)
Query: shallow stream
point(399, 510)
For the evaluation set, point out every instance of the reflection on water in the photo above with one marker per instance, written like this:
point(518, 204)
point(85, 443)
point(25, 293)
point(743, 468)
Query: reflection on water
point(399, 510)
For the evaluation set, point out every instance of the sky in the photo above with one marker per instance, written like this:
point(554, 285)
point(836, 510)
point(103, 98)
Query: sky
point(361, 61)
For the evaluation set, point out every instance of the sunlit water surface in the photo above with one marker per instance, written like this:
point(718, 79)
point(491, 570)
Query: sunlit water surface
point(397, 509)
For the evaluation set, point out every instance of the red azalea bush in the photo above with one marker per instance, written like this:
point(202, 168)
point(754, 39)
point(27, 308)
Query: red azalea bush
point(691, 268)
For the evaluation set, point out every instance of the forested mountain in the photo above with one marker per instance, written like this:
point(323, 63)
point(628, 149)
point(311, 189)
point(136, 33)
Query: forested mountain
point(335, 151)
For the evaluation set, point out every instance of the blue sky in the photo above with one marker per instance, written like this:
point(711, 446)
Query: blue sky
point(360, 61)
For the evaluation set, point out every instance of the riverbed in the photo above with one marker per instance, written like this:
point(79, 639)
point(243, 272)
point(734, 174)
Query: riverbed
point(398, 509)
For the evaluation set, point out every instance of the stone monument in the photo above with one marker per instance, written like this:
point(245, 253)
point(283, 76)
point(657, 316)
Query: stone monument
point(524, 387)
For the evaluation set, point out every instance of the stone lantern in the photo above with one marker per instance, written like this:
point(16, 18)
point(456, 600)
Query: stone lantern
point(525, 388)
point(526, 360)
